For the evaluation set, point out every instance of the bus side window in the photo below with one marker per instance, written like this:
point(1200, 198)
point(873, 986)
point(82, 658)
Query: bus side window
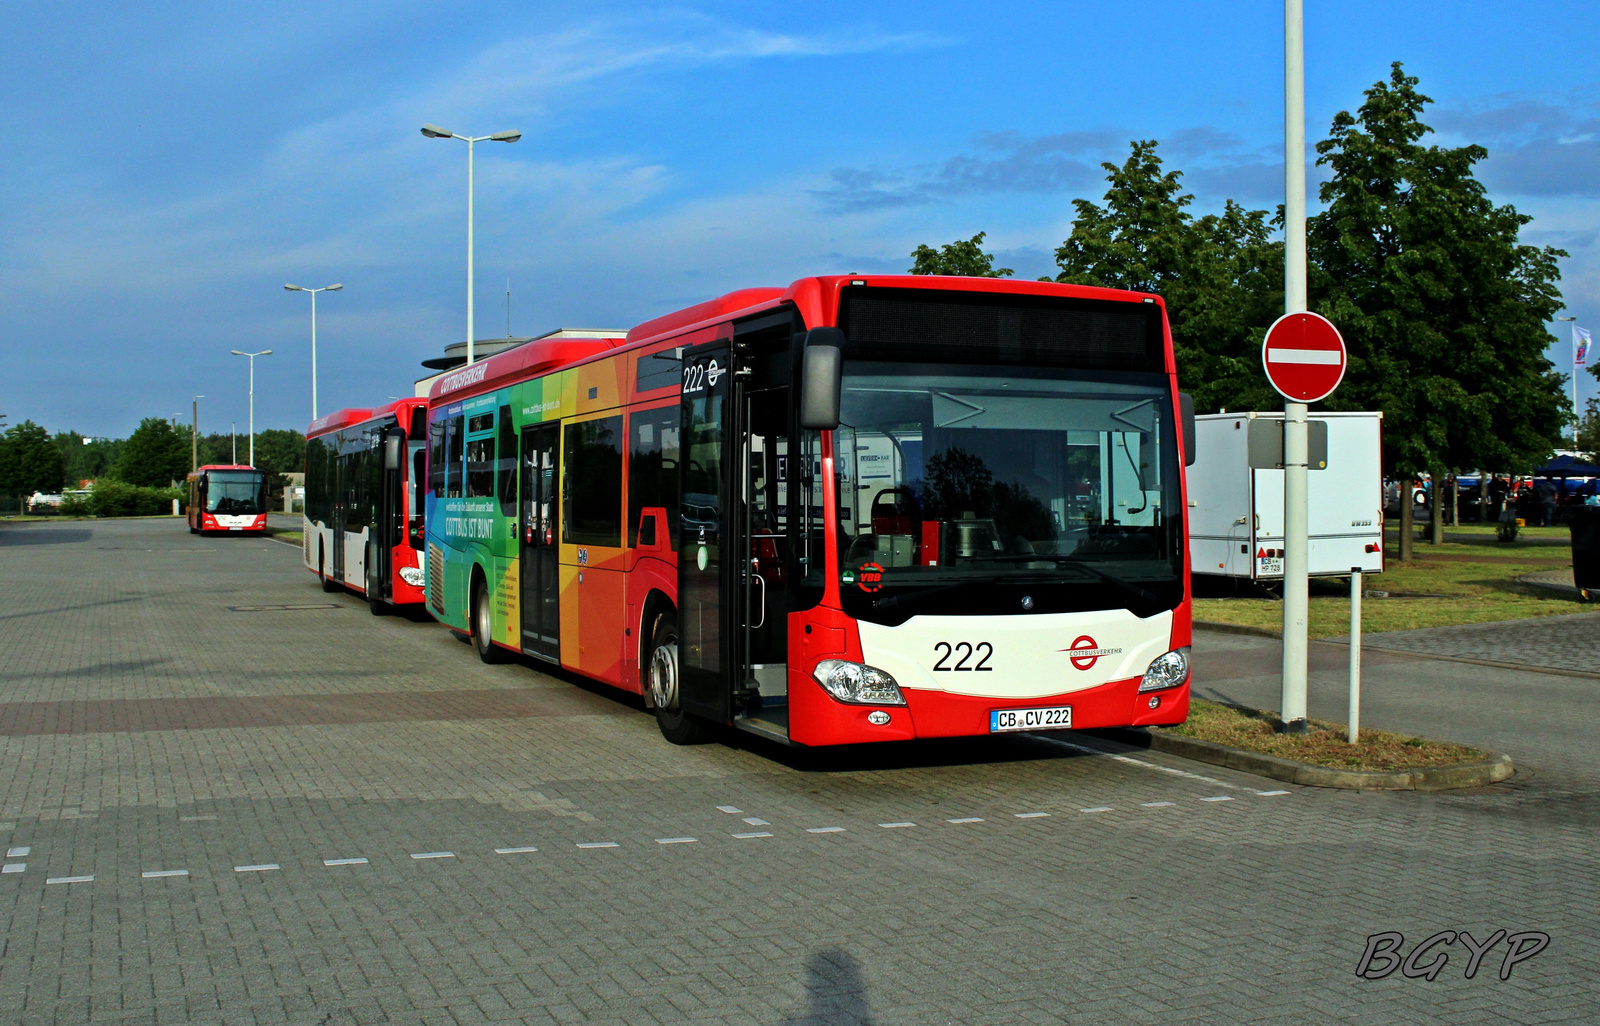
point(591, 486)
point(436, 457)
point(505, 466)
point(653, 470)
point(454, 442)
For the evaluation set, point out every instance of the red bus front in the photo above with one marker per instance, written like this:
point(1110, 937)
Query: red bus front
point(227, 499)
point(984, 534)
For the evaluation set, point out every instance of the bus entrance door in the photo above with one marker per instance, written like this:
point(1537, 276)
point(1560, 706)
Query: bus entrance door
point(541, 586)
point(731, 591)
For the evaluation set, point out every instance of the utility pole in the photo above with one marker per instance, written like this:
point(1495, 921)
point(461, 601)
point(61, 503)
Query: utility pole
point(194, 436)
point(1296, 441)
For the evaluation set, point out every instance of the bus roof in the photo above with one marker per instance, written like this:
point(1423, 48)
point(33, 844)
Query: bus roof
point(221, 466)
point(816, 299)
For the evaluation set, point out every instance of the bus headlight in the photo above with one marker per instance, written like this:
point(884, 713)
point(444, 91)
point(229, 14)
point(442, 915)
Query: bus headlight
point(857, 684)
point(1167, 671)
point(411, 575)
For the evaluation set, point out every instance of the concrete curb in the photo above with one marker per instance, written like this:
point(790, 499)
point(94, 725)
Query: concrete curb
point(1433, 778)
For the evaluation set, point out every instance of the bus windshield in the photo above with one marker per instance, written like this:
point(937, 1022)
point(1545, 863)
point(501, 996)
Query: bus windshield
point(1050, 479)
point(236, 491)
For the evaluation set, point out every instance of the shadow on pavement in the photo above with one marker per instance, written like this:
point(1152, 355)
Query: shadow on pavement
point(36, 536)
point(836, 992)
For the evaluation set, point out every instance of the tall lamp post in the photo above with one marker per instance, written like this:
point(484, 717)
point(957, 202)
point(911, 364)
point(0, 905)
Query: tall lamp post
point(252, 356)
point(1577, 419)
point(435, 132)
point(194, 436)
point(335, 287)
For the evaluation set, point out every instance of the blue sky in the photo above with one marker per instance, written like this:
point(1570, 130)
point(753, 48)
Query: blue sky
point(171, 166)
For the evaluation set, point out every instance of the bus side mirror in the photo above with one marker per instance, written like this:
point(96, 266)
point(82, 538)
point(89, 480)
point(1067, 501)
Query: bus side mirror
point(821, 370)
point(1186, 409)
point(391, 452)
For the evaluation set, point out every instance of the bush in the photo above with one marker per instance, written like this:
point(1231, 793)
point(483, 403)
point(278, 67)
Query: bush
point(75, 505)
point(118, 499)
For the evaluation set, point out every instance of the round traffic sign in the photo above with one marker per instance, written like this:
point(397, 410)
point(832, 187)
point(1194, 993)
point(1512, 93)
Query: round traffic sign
point(1304, 357)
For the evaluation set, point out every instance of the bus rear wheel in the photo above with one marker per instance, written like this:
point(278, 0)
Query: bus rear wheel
point(661, 679)
point(483, 626)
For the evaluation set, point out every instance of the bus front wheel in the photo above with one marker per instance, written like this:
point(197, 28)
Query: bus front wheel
point(676, 725)
point(483, 625)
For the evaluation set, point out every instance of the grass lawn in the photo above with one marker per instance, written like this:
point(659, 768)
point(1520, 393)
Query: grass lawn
point(282, 535)
point(1323, 744)
point(1460, 592)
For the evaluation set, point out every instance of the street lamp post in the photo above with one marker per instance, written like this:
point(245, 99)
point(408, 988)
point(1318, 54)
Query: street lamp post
point(1576, 418)
point(194, 436)
point(252, 356)
point(326, 288)
point(435, 132)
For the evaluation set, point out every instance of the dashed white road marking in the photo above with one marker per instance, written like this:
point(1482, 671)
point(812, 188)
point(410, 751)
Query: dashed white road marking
point(344, 862)
point(13, 867)
point(756, 821)
point(265, 867)
point(1030, 815)
point(515, 851)
point(894, 826)
point(598, 844)
point(197, 819)
point(824, 830)
point(1269, 794)
point(1155, 805)
point(675, 840)
point(1097, 808)
point(746, 837)
point(732, 810)
point(433, 854)
point(1218, 798)
point(966, 819)
point(18, 853)
point(155, 873)
point(70, 879)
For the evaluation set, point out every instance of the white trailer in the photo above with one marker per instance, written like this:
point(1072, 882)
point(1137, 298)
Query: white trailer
point(1236, 511)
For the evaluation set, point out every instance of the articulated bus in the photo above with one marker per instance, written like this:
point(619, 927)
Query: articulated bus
point(227, 497)
point(362, 525)
point(858, 509)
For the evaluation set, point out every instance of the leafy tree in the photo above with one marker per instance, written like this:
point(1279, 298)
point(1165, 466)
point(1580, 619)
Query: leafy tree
point(1221, 275)
point(153, 456)
point(29, 462)
point(86, 459)
point(964, 258)
point(1589, 429)
point(278, 450)
point(1441, 306)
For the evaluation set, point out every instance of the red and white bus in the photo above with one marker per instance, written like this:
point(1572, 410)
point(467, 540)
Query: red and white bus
point(227, 497)
point(863, 508)
point(362, 524)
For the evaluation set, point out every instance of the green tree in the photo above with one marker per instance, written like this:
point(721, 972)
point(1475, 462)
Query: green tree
point(963, 258)
point(1441, 306)
point(153, 456)
point(29, 461)
point(1220, 276)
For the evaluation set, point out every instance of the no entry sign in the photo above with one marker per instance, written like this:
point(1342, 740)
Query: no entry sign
point(1304, 357)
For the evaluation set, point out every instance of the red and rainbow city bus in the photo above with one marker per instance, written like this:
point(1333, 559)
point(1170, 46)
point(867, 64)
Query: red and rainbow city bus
point(228, 498)
point(862, 508)
point(362, 524)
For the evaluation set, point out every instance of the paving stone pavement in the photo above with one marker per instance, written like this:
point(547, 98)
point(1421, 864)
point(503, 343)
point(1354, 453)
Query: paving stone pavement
point(509, 846)
point(1570, 642)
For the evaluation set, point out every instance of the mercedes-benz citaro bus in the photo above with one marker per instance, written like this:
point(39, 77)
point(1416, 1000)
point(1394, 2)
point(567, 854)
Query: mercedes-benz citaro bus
point(227, 498)
point(362, 525)
point(856, 509)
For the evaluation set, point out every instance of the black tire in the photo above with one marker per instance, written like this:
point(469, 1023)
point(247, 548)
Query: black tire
point(661, 686)
point(328, 584)
point(482, 625)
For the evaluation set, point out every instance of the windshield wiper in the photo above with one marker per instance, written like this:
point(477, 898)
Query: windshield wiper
point(1078, 563)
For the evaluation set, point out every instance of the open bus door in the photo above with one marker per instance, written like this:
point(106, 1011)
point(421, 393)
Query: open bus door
point(732, 553)
point(388, 526)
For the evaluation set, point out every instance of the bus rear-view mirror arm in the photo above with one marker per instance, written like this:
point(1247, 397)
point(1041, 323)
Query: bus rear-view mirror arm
point(1186, 409)
point(821, 371)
